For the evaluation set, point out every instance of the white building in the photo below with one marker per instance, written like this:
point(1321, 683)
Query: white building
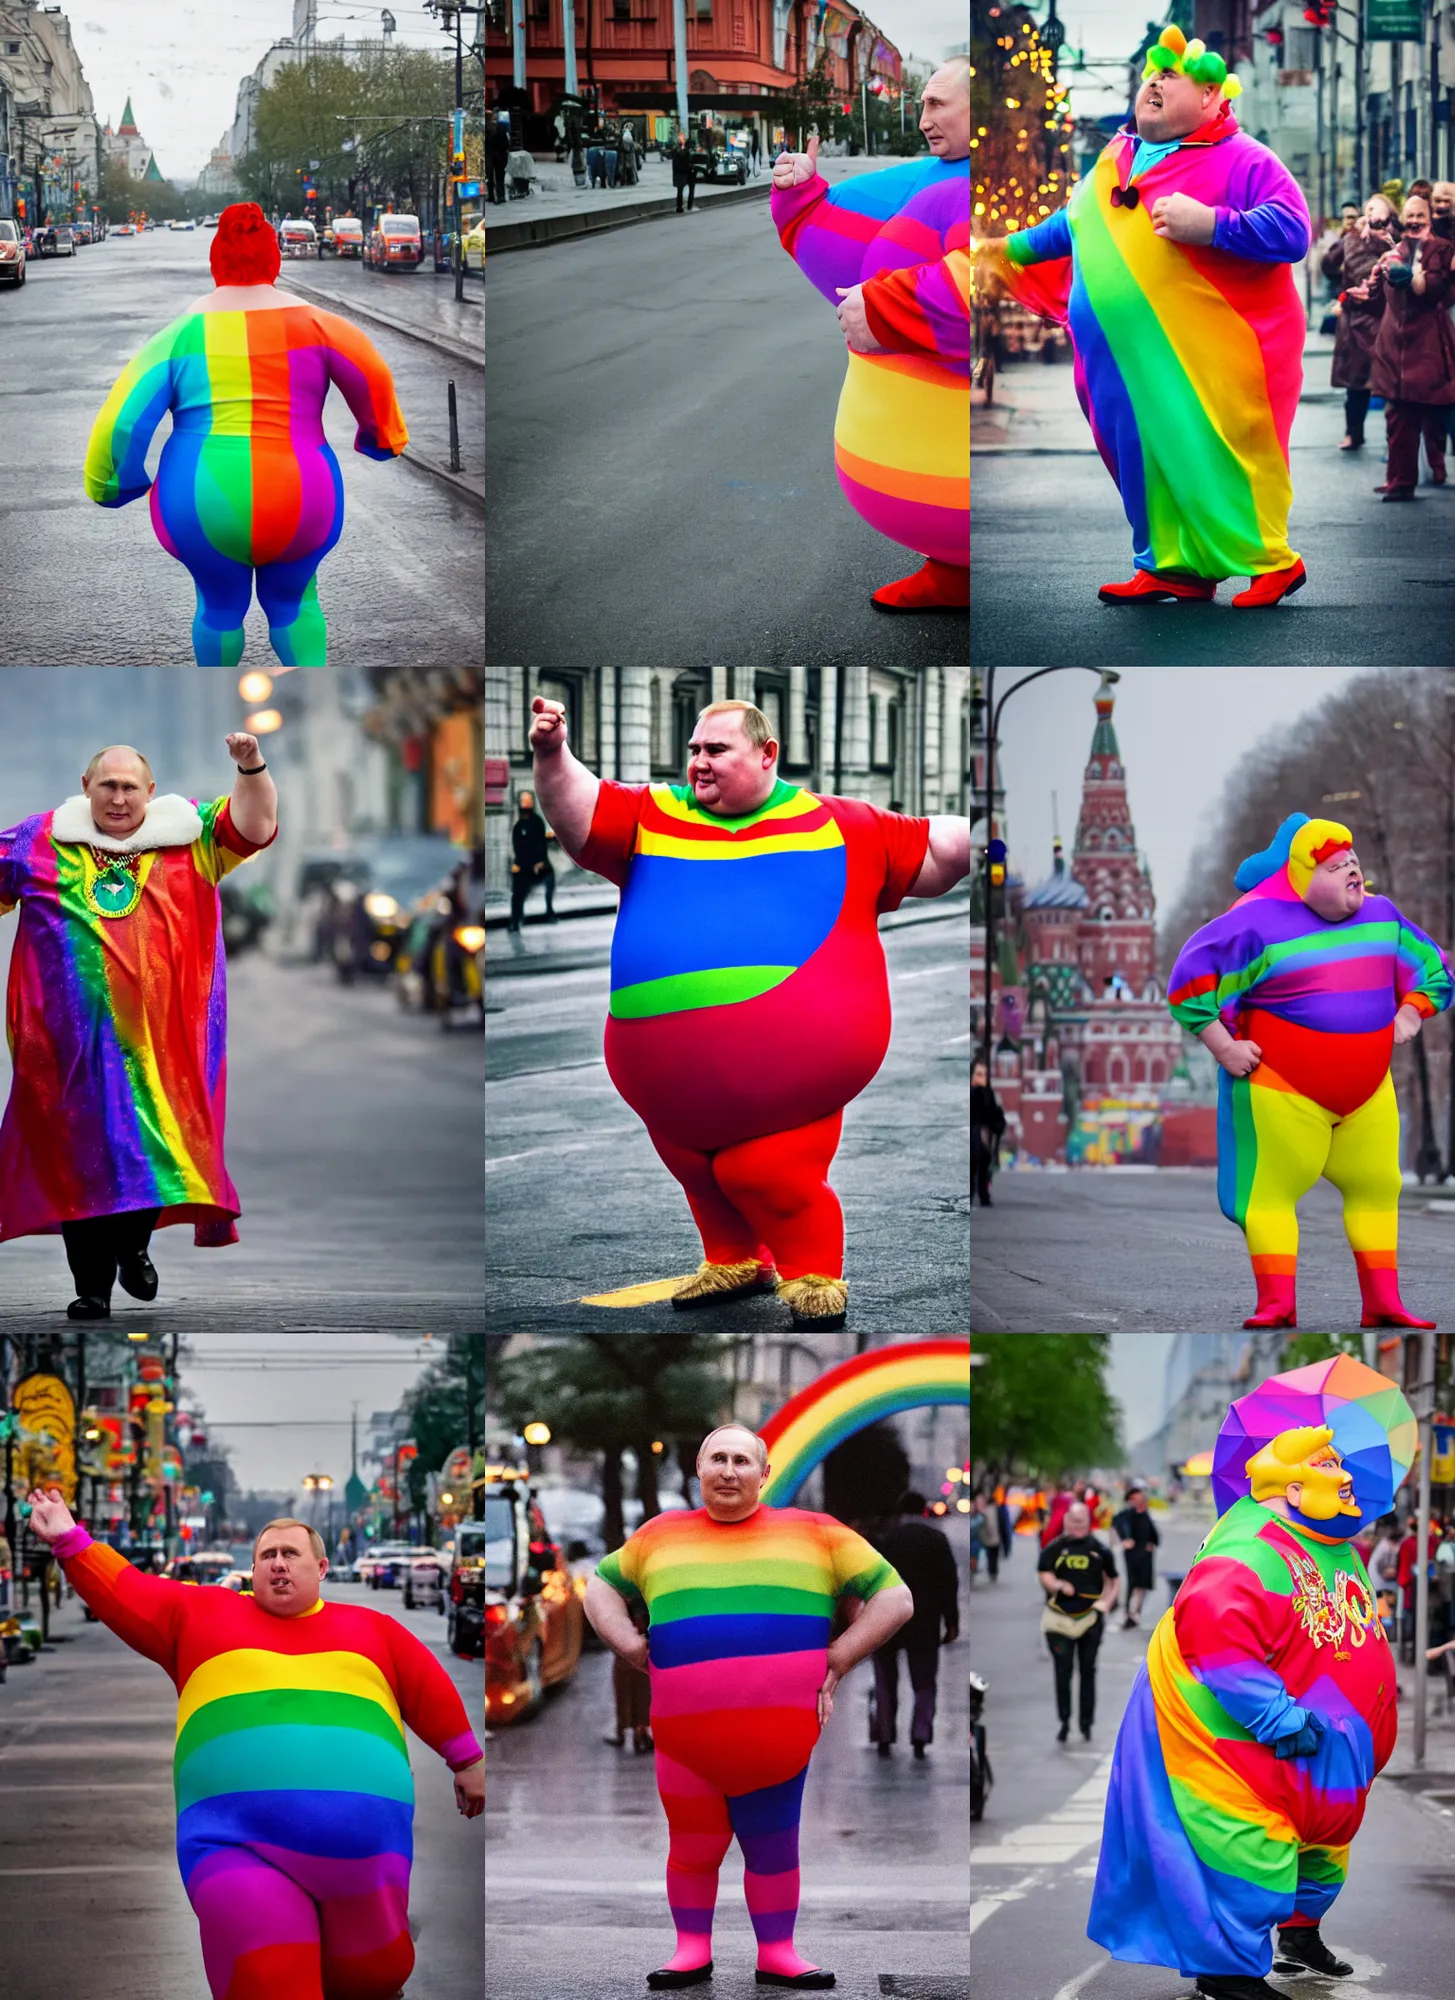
point(47, 116)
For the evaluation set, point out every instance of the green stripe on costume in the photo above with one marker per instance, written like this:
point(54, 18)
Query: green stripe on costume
point(679, 992)
point(1234, 1846)
point(747, 1602)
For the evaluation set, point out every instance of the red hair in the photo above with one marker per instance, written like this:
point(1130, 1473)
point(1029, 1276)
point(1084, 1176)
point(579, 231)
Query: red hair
point(1327, 849)
point(245, 248)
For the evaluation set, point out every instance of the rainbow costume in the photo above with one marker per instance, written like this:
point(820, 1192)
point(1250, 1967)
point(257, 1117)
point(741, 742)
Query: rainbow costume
point(118, 1019)
point(1266, 1704)
point(295, 1801)
point(750, 999)
point(1188, 357)
point(248, 485)
point(1319, 999)
point(741, 1613)
point(902, 434)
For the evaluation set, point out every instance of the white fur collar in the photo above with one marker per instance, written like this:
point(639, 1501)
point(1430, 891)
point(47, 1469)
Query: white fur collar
point(171, 821)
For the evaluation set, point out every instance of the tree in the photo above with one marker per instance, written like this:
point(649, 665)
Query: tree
point(444, 1409)
point(1021, 145)
point(1300, 1349)
point(813, 104)
point(121, 196)
point(1040, 1402)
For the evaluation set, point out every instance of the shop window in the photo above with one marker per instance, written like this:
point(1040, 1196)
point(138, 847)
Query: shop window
point(621, 10)
point(884, 718)
point(703, 10)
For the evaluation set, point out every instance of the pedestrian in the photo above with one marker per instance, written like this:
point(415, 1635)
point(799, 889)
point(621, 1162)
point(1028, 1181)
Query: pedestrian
point(531, 861)
point(1442, 210)
point(740, 1065)
point(1079, 1577)
point(684, 171)
point(975, 1521)
point(994, 1532)
point(247, 488)
point(987, 1127)
point(741, 1693)
point(1137, 1532)
point(1347, 264)
point(922, 1556)
point(633, 1692)
point(117, 1017)
point(1384, 1571)
point(497, 153)
point(755, 149)
point(297, 1866)
point(1413, 365)
point(628, 155)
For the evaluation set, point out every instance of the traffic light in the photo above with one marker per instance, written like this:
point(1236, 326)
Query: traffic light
point(996, 856)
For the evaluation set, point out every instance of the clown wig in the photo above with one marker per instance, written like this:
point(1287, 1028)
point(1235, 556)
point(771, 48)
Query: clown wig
point(245, 248)
point(1173, 51)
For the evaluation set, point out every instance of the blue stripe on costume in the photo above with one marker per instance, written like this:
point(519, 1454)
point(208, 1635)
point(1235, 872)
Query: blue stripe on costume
point(1116, 420)
point(1227, 1149)
point(688, 1642)
point(333, 1825)
point(883, 194)
point(679, 915)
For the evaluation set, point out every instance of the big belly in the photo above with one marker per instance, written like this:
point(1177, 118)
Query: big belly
point(1340, 1072)
point(902, 451)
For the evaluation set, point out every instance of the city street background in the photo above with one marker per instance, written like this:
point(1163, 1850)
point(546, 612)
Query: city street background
point(580, 1204)
point(91, 1903)
point(661, 467)
point(1033, 1858)
point(404, 582)
point(576, 1849)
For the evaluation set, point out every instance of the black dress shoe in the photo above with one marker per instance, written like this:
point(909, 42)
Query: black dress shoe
point(1063, 1732)
point(919, 1750)
point(886, 1749)
point(1238, 1986)
point(88, 1309)
point(138, 1275)
point(1301, 1949)
point(814, 1981)
point(665, 1978)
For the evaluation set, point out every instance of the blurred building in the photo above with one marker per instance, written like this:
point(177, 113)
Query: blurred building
point(50, 142)
point(126, 148)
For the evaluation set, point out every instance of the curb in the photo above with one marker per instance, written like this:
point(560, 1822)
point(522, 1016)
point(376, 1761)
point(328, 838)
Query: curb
point(590, 222)
point(455, 349)
point(469, 489)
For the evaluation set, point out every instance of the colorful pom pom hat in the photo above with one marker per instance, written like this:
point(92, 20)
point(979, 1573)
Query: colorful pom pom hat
point(1374, 1433)
point(1172, 51)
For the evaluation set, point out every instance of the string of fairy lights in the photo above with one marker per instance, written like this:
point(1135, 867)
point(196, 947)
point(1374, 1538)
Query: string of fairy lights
point(1003, 200)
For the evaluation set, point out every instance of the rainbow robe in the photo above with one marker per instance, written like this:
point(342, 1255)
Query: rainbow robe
point(117, 1023)
point(902, 433)
point(291, 1770)
point(746, 967)
point(1189, 357)
point(1210, 1838)
point(741, 1613)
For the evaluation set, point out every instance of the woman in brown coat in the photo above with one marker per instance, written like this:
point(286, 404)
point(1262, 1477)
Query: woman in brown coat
point(1347, 263)
point(1413, 366)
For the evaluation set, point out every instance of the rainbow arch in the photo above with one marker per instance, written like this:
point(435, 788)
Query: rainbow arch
point(909, 1375)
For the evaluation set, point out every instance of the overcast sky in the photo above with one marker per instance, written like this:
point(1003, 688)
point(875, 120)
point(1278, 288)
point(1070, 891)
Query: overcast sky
point(1182, 730)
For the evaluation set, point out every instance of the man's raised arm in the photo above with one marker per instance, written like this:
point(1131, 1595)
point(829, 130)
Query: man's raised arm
point(947, 858)
point(565, 790)
point(254, 803)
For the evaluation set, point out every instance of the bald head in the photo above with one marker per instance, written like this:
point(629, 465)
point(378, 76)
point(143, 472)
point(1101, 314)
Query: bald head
point(118, 781)
point(734, 1432)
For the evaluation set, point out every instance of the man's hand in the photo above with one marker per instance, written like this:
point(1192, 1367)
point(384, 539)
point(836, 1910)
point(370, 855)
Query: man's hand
point(638, 1655)
point(470, 1789)
point(548, 727)
point(1183, 220)
point(854, 321)
point(50, 1517)
point(826, 1696)
point(1241, 1058)
point(1407, 1023)
point(243, 749)
point(793, 169)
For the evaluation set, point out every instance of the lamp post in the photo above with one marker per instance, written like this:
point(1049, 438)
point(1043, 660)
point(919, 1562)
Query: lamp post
point(1424, 1403)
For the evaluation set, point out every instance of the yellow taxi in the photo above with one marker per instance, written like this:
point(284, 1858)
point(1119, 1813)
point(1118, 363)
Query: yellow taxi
point(534, 1618)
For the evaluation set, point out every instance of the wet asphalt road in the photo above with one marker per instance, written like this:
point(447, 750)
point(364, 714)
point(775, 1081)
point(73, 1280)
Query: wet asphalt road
point(82, 585)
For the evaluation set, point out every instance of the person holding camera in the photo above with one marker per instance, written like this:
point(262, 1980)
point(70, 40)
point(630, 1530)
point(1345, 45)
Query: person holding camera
point(1413, 363)
point(1347, 263)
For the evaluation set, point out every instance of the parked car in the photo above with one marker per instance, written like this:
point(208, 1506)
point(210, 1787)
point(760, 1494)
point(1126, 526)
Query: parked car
point(424, 1582)
point(473, 241)
point(533, 1620)
point(368, 905)
point(440, 963)
point(394, 244)
point(298, 239)
point(124, 229)
point(12, 253)
point(345, 236)
point(81, 231)
point(247, 909)
point(382, 1566)
point(206, 1566)
point(209, 222)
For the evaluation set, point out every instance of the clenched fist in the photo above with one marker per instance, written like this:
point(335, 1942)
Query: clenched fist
point(50, 1517)
point(548, 727)
point(1241, 1058)
point(792, 169)
point(243, 749)
point(1183, 220)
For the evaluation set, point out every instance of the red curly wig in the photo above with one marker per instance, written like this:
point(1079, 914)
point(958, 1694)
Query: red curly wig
point(245, 248)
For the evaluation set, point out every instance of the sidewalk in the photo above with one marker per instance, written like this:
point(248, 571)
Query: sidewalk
point(419, 304)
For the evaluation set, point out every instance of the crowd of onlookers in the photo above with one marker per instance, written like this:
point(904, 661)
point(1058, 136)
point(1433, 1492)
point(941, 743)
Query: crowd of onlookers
point(1389, 268)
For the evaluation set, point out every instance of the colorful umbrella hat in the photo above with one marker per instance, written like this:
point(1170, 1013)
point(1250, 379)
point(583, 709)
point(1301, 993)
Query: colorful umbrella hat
point(1374, 1430)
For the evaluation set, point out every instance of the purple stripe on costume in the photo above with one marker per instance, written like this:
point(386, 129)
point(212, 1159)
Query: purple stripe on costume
point(772, 1926)
point(688, 1916)
point(941, 532)
point(770, 1853)
point(326, 1877)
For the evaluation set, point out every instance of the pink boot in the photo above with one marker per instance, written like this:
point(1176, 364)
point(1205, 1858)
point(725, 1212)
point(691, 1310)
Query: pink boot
point(1275, 1299)
point(1379, 1288)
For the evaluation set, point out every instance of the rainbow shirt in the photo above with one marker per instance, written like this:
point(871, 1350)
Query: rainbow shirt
point(746, 966)
point(902, 434)
point(117, 1017)
point(741, 1613)
point(1210, 1837)
point(290, 1743)
point(247, 473)
point(1189, 357)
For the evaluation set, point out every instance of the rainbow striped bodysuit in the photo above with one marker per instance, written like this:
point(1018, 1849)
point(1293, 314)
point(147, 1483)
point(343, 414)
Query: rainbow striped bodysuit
point(747, 977)
point(117, 1022)
point(741, 1614)
point(1211, 1839)
point(248, 484)
point(902, 434)
point(1189, 357)
point(295, 1800)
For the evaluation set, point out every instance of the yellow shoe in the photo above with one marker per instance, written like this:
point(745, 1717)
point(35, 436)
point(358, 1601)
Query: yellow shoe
point(817, 1302)
point(715, 1284)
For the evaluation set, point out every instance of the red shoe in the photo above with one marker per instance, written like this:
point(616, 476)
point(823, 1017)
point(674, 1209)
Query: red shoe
point(1275, 1300)
point(1379, 1289)
point(1147, 583)
point(939, 586)
point(1272, 587)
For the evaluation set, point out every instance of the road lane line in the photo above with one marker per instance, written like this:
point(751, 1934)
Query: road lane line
point(928, 971)
point(1073, 1987)
point(572, 1146)
point(638, 1295)
point(986, 1906)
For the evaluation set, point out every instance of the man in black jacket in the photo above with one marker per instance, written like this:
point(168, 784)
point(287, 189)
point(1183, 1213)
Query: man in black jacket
point(987, 1124)
point(684, 174)
point(926, 1562)
point(497, 152)
point(532, 862)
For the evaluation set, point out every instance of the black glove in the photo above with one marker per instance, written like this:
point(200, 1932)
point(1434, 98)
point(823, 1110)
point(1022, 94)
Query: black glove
point(1305, 1742)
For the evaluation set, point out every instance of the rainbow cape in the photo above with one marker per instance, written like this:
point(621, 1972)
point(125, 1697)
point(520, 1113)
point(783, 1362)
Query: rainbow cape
point(1189, 358)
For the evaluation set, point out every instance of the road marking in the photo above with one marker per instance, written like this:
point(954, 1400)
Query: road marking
point(1073, 1987)
point(638, 1295)
point(956, 1038)
point(986, 1906)
point(572, 1146)
point(928, 971)
point(1060, 1836)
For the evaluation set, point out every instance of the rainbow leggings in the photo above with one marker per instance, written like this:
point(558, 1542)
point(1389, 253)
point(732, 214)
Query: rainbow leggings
point(701, 1822)
point(1274, 1143)
point(767, 1198)
point(328, 1929)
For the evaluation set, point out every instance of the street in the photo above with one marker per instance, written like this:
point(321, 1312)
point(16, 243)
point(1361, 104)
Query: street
point(1148, 1250)
point(660, 458)
point(402, 586)
point(1033, 1858)
point(576, 1846)
point(1048, 528)
point(580, 1205)
point(91, 1903)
